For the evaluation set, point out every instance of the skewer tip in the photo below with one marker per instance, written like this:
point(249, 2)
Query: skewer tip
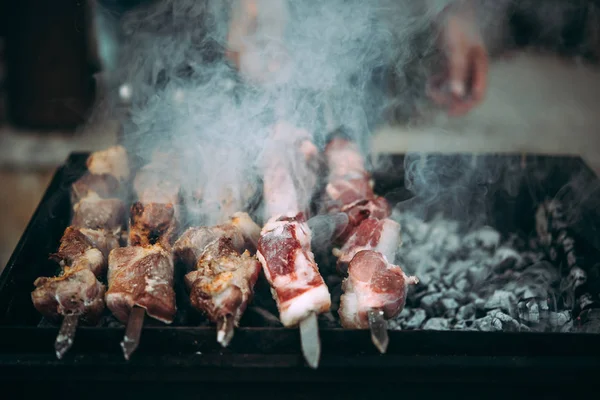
point(378, 327)
point(311, 343)
point(131, 340)
point(66, 335)
point(225, 330)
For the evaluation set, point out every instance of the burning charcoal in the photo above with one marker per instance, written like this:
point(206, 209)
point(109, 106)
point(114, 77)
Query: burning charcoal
point(466, 312)
point(476, 275)
point(485, 237)
point(430, 302)
point(462, 285)
point(589, 321)
point(528, 258)
point(416, 320)
point(508, 323)
point(437, 324)
point(503, 300)
point(457, 295)
point(488, 324)
point(448, 279)
point(463, 326)
point(533, 311)
point(524, 328)
point(449, 306)
point(504, 259)
point(560, 320)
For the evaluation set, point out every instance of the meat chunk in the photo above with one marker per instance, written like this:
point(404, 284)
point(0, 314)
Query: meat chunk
point(345, 160)
point(75, 292)
point(112, 161)
point(77, 249)
point(372, 284)
point(290, 172)
point(240, 228)
point(223, 281)
point(152, 223)
point(103, 239)
point(289, 266)
point(190, 246)
point(223, 272)
point(141, 276)
point(105, 186)
point(94, 212)
point(374, 234)
point(155, 183)
point(361, 210)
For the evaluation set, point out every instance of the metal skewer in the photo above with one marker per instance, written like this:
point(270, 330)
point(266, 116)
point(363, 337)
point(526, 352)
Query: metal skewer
point(378, 327)
point(309, 337)
point(225, 330)
point(131, 340)
point(66, 335)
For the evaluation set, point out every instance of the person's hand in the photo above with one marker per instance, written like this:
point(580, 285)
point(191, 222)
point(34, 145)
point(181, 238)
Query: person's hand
point(462, 86)
point(255, 40)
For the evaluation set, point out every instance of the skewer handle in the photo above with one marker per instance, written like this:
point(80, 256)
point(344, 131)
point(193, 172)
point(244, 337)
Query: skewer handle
point(378, 327)
point(311, 343)
point(131, 340)
point(66, 335)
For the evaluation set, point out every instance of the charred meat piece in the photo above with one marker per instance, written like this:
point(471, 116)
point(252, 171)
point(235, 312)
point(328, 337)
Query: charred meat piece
point(143, 277)
point(76, 248)
point(94, 212)
point(223, 281)
point(372, 284)
point(242, 231)
point(112, 161)
point(75, 292)
point(152, 223)
point(223, 274)
point(289, 266)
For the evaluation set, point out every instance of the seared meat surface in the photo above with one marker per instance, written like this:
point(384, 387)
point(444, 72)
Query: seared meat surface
point(143, 277)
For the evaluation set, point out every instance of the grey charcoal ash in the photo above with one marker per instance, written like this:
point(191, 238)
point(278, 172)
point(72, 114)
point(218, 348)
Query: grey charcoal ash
point(508, 323)
point(482, 238)
point(437, 324)
point(503, 300)
point(477, 281)
point(416, 320)
point(430, 303)
point(449, 306)
point(466, 312)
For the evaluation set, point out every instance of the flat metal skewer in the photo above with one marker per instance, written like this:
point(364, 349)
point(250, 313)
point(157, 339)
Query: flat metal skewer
point(378, 327)
point(309, 337)
point(225, 330)
point(66, 335)
point(135, 323)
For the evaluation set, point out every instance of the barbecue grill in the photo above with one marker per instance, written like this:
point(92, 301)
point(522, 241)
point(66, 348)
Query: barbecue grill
point(264, 361)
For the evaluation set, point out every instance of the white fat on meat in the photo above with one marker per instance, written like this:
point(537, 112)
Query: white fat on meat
point(373, 283)
point(382, 236)
point(289, 266)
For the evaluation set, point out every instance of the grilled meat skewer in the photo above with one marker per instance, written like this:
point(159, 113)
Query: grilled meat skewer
point(141, 275)
point(284, 247)
point(77, 293)
point(374, 289)
point(223, 271)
